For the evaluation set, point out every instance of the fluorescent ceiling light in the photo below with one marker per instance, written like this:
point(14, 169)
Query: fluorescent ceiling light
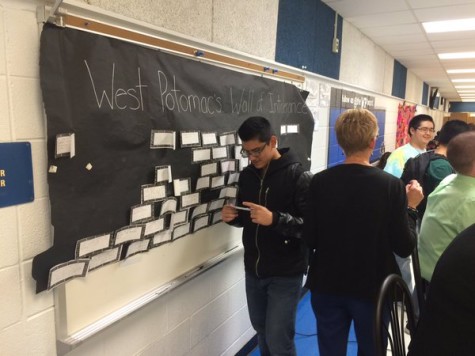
point(449, 25)
point(457, 55)
point(460, 71)
point(465, 87)
point(466, 91)
point(466, 80)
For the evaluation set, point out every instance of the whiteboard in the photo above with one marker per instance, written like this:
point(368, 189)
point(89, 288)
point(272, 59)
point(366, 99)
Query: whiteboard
point(84, 301)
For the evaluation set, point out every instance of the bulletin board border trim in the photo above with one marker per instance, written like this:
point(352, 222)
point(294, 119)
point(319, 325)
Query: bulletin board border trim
point(95, 20)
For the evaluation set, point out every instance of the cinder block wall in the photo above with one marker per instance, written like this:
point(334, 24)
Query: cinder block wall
point(26, 320)
point(206, 316)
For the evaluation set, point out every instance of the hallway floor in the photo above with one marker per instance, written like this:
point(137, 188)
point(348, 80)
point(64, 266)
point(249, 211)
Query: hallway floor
point(306, 329)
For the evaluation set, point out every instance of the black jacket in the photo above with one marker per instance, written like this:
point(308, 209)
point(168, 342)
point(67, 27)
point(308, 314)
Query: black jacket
point(356, 220)
point(275, 250)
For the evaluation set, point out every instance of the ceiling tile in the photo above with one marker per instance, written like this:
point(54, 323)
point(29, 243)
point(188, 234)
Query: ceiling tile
point(394, 30)
point(383, 19)
point(353, 8)
point(396, 26)
point(446, 12)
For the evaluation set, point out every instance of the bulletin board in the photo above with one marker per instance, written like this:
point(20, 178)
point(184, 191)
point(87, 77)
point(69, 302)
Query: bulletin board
point(142, 154)
point(342, 100)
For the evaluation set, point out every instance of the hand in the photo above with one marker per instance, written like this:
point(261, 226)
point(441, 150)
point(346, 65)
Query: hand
point(228, 213)
point(259, 214)
point(414, 194)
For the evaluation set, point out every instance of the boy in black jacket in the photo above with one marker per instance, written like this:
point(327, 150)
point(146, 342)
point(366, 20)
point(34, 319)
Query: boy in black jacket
point(273, 189)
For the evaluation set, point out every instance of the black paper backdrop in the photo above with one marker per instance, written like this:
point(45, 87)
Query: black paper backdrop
point(111, 94)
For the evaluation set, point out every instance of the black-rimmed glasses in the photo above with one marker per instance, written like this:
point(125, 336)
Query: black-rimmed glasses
point(254, 152)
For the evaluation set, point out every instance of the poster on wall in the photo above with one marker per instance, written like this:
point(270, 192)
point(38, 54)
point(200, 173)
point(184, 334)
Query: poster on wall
point(342, 100)
point(404, 114)
point(139, 140)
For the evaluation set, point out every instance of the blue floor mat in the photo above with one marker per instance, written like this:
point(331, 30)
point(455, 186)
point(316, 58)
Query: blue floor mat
point(306, 329)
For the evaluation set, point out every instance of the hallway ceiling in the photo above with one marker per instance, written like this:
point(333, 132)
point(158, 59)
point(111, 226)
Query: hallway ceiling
point(396, 26)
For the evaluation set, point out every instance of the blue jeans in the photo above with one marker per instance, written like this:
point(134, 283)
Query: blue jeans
point(334, 315)
point(272, 304)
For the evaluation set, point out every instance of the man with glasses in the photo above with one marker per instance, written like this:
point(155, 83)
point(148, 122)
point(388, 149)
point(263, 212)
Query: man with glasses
point(421, 131)
point(429, 168)
point(270, 206)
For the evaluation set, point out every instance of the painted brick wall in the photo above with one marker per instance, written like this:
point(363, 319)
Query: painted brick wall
point(27, 320)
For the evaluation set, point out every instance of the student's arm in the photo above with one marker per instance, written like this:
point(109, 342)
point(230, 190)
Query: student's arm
point(395, 164)
point(402, 224)
point(231, 215)
point(407, 174)
point(292, 225)
point(310, 226)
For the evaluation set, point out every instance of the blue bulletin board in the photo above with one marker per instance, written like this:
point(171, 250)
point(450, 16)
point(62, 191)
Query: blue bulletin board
point(342, 100)
point(16, 174)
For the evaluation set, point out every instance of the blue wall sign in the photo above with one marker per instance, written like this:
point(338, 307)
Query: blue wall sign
point(16, 174)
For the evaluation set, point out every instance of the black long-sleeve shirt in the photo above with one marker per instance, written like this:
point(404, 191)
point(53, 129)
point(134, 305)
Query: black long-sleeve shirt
point(356, 218)
point(447, 323)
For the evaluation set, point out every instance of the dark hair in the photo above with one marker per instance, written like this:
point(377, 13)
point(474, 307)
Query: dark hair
point(451, 129)
point(415, 122)
point(383, 160)
point(432, 144)
point(255, 127)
